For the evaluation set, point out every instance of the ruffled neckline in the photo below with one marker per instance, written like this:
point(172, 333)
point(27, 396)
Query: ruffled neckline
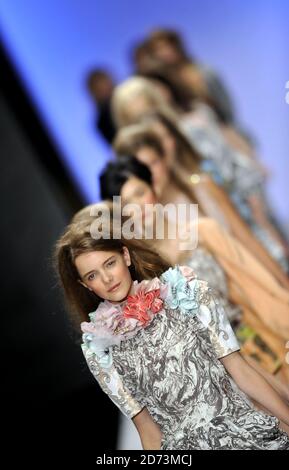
point(112, 323)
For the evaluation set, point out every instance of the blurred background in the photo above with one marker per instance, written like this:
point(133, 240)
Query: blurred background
point(53, 151)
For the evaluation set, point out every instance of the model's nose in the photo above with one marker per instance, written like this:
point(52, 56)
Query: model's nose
point(106, 278)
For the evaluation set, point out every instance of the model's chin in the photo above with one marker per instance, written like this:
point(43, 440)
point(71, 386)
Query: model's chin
point(119, 295)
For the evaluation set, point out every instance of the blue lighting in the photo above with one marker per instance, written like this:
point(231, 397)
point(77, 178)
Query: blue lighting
point(53, 44)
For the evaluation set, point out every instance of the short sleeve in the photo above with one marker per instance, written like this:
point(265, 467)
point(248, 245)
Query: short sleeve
point(194, 297)
point(213, 316)
point(102, 368)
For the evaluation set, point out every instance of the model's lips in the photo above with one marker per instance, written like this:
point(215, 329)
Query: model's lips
point(113, 288)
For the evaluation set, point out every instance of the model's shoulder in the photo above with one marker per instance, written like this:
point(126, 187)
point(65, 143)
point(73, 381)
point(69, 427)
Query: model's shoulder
point(185, 290)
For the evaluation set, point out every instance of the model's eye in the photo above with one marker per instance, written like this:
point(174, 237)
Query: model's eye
point(91, 277)
point(111, 263)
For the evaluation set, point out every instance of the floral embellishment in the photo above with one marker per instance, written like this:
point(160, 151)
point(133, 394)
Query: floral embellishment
point(141, 305)
point(183, 289)
point(112, 323)
point(107, 326)
point(187, 272)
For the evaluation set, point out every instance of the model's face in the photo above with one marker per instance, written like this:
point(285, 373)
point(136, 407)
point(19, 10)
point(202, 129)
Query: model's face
point(137, 191)
point(102, 89)
point(105, 273)
point(157, 165)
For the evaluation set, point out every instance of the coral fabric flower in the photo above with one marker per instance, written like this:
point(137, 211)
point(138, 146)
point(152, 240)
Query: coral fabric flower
point(112, 323)
point(156, 305)
point(142, 305)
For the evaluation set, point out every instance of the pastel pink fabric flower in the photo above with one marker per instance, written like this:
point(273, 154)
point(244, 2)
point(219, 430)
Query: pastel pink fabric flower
point(187, 272)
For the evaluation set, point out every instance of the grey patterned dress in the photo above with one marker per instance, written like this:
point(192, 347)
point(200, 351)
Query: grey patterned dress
point(172, 368)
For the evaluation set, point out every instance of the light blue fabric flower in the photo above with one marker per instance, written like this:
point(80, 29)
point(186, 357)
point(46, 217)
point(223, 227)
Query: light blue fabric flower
point(92, 316)
point(182, 294)
point(99, 348)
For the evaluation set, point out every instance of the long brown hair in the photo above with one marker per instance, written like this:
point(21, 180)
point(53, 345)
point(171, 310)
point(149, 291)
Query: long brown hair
point(132, 138)
point(127, 92)
point(186, 155)
point(77, 239)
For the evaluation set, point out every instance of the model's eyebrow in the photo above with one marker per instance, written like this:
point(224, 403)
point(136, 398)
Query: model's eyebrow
point(93, 270)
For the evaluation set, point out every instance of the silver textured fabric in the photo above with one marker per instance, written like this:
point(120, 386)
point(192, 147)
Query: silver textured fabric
point(172, 367)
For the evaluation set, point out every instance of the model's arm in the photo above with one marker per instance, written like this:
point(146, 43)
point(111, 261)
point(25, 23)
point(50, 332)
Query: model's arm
point(102, 368)
point(281, 388)
point(261, 218)
point(260, 292)
point(235, 140)
point(255, 386)
point(206, 192)
point(149, 431)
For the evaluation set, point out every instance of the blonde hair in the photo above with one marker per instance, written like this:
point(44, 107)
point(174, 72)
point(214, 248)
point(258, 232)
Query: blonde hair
point(128, 91)
point(77, 239)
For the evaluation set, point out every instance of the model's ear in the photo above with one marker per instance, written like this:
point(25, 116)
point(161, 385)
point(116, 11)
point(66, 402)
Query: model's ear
point(84, 285)
point(126, 256)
